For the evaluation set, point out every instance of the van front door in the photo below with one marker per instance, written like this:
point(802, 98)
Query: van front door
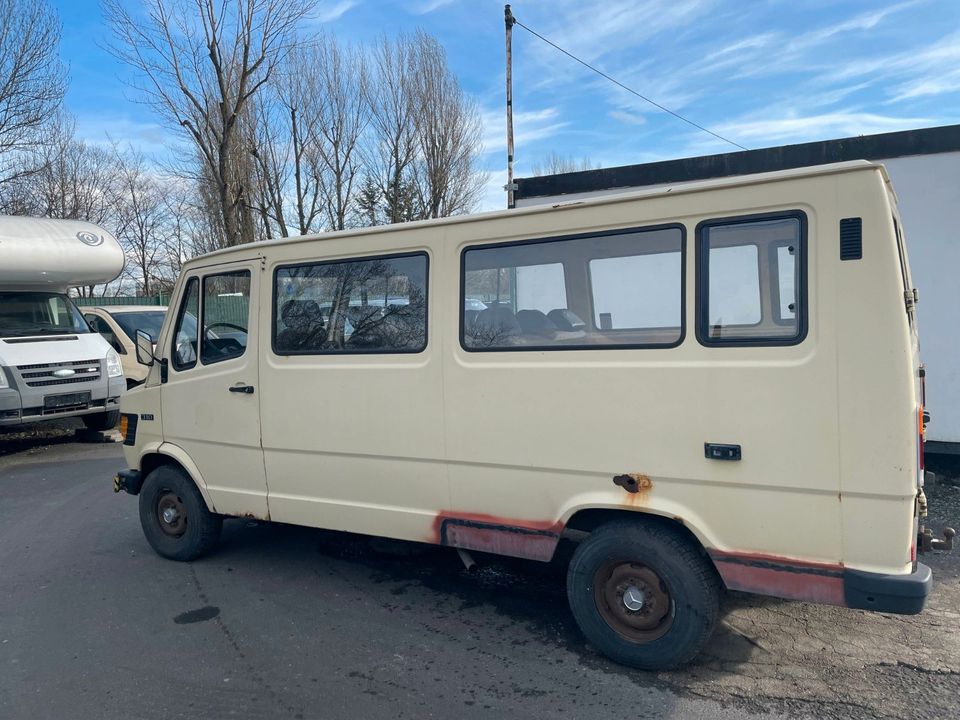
point(210, 401)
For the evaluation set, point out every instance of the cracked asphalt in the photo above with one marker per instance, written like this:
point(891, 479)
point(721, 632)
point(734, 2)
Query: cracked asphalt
point(291, 622)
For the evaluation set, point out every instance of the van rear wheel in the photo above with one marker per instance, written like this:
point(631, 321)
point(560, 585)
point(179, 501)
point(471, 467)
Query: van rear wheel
point(174, 516)
point(643, 594)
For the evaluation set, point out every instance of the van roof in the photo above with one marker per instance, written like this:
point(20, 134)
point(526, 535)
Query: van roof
point(672, 189)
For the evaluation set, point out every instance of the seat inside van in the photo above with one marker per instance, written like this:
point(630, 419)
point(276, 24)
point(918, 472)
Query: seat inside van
point(304, 326)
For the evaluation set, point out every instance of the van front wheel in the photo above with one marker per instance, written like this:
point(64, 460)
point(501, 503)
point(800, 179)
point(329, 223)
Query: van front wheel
point(174, 517)
point(643, 595)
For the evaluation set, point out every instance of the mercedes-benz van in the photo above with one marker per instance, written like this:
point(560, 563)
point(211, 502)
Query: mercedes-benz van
point(706, 386)
point(52, 364)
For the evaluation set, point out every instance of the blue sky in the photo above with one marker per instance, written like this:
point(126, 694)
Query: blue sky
point(761, 72)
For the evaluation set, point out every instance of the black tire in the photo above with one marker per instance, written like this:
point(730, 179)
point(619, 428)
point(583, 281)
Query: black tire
point(688, 592)
point(191, 530)
point(102, 421)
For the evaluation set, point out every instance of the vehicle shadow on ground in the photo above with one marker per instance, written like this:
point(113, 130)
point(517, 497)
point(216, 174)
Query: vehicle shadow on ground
point(766, 654)
point(37, 437)
point(530, 593)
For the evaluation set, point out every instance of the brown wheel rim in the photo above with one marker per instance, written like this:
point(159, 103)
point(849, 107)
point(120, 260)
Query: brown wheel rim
point(633, 600)
point(171, 514)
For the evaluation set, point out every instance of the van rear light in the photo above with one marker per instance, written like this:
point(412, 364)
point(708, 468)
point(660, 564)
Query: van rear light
point(920, 432)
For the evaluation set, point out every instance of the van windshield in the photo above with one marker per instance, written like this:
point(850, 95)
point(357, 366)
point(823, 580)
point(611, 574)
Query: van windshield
point(150, 321)
point(23, 314)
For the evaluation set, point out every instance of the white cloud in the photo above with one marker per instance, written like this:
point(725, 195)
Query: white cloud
point(627, 117)
point(924, 86)
point(915, 67)
point(429, 6)
point(592, 30)
point(529, 127)
point(750, 43)
point(816, 127)
point(494, 196)
point(151, 138)
point(864, 21)
point(772, 53)
point(328, 12)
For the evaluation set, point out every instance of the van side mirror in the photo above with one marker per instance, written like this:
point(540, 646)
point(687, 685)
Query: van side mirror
point(144, 348)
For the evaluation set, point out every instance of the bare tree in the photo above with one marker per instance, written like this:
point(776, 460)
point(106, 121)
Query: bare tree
point(272, 151)
point(72, 179)
point(32, 80)
point(342, 75)
point(141, 222)
point(304, 137)
point(448, 129)
point(283, 138)
point(392, 142)
point(202, 62)
point(557, 164)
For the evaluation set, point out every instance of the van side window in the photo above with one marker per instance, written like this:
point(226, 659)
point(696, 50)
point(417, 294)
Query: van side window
point(637, 291)
point(610, 290)
point(185, 334)
point(376, 305)
point(226, 307)
point(751, 281)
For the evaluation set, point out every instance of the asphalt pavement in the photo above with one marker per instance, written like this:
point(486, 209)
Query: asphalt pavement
point(287, 622)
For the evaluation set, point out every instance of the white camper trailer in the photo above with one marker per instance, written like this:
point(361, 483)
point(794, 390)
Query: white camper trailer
point(52, 364)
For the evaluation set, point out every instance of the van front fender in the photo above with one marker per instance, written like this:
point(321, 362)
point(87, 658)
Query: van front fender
point(181, 458)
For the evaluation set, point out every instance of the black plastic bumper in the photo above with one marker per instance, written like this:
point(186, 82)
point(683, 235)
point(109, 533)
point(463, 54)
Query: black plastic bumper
point(129, 481)
point(901, 594)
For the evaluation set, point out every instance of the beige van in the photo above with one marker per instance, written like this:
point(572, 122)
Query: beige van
point(706, 386)
point(118, 324)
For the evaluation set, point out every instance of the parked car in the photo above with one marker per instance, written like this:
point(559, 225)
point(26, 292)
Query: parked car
point(118, 324)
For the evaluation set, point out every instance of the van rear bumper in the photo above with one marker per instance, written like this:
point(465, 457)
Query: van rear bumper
point(900, 594)
point(827, 583)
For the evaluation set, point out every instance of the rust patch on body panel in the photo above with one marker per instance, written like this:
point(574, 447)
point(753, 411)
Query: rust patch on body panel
point(633, 482)
point(637, 485)
point(781, 577)
point(533, 540)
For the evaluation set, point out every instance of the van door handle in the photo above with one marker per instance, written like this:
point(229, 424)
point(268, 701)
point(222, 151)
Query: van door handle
point(721, 451)
point(245, 389)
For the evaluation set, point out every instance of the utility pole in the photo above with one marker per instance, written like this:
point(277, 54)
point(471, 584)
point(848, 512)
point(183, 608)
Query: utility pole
point(510, 186)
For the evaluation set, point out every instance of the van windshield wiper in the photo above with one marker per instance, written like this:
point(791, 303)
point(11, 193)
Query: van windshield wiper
point(41, 331)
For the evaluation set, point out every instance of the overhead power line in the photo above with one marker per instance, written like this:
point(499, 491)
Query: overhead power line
point(629, 89)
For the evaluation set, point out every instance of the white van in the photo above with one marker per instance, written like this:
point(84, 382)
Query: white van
point(52, 364)
point(714, 385)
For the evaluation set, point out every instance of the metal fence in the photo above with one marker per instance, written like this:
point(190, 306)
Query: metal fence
point(232, 309)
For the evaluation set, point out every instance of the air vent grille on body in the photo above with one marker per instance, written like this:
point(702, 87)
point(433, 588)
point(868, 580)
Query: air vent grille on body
point(851, 238)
